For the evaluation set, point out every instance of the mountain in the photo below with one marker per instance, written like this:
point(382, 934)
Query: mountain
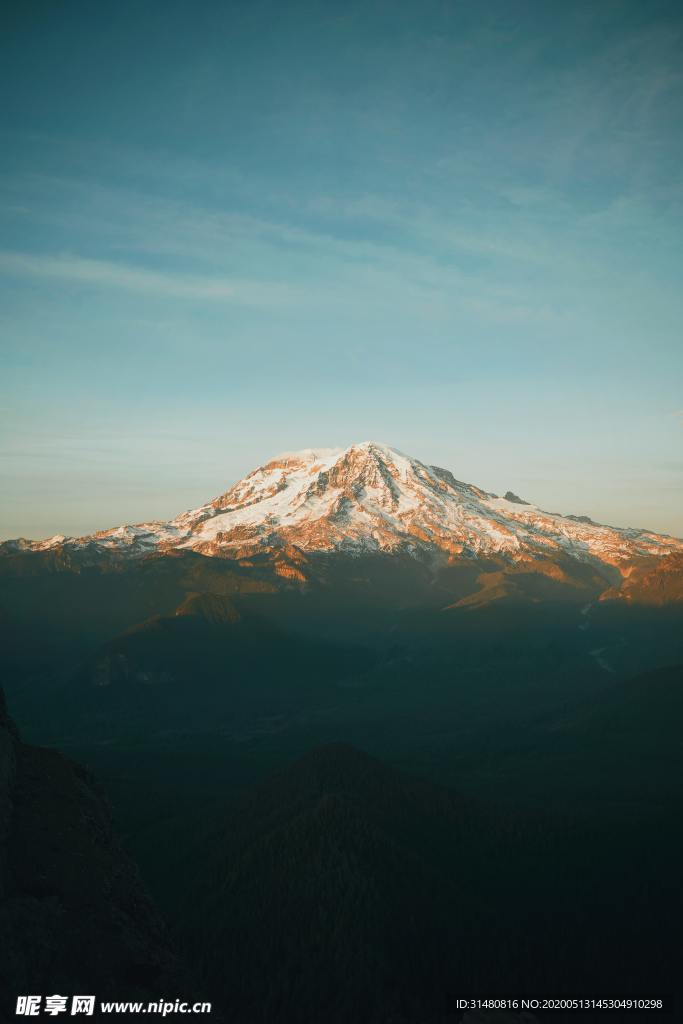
point(210, 665)
point(327, 585)
point(342, 889)
point(74, 914)
point(370, 499)
point(332, 601)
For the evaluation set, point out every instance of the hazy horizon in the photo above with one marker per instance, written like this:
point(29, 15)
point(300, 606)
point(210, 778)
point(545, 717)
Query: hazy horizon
point(245, 228)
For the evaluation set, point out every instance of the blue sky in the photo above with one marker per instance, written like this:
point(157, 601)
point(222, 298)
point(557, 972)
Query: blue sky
point(231, 229)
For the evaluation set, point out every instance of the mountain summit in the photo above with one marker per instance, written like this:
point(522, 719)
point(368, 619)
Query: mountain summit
point(363, 499)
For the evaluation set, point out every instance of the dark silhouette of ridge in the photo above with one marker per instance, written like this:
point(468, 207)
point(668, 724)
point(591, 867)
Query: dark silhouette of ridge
point(74, 914)
point(341, 889)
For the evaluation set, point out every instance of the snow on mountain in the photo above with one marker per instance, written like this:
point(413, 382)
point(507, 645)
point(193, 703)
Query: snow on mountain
point(370, 497)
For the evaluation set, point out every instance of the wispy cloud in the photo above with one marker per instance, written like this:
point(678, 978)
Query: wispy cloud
point(310, 258)
point(118, 275)
point(332, 237)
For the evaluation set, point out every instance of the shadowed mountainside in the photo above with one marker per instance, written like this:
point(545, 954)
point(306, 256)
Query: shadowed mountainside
point(340, 889)
point(74, 914)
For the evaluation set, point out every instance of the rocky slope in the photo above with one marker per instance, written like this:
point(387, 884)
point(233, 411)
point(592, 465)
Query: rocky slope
point(74, 916)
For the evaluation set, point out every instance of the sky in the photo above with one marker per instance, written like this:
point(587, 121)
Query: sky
point(231, 229)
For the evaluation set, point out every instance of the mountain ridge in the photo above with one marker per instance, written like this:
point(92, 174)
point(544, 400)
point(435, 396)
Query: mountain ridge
point(366, 498)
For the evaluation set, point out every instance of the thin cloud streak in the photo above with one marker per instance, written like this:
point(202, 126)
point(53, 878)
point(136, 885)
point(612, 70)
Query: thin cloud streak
point(137, 279)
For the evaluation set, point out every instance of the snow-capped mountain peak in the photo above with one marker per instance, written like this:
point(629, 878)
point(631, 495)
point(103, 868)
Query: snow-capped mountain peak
point(363, 497)
point(371, 497)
